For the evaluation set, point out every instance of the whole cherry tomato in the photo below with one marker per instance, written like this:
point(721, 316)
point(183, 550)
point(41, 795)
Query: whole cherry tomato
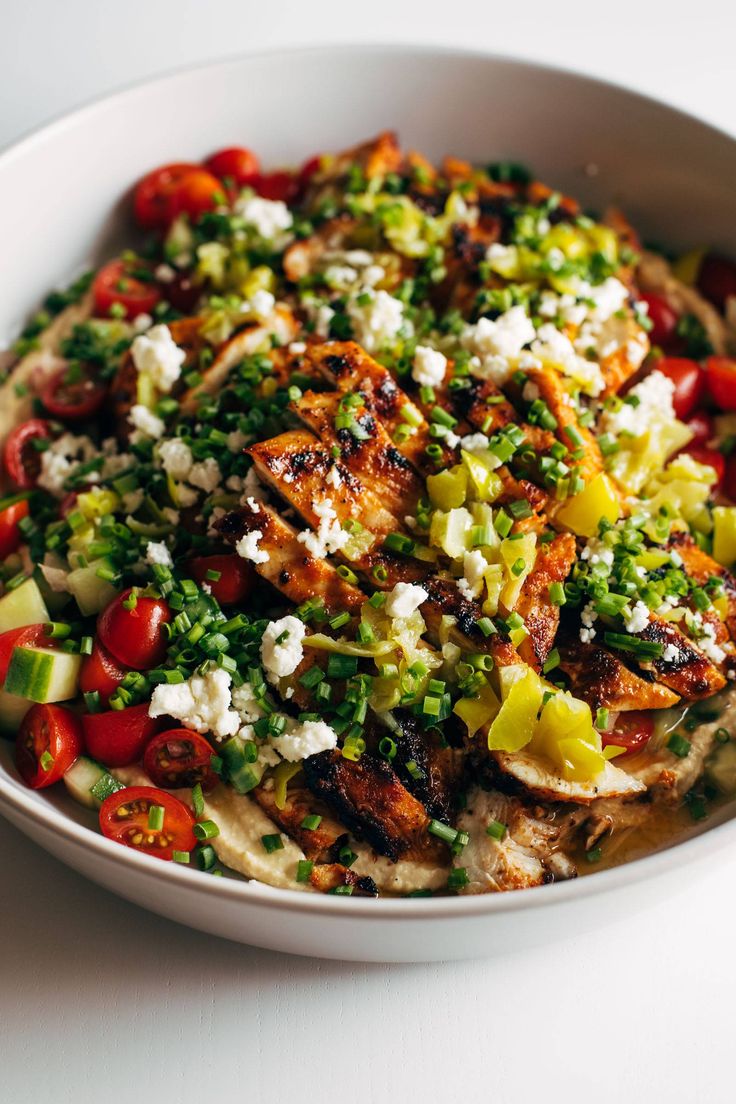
point(134, 635)
point(32, 635)
point(10, 535)
point(662, 317)
point(712, 457)
point(282, 184)
point(21, 458)
point(689, 380)
point(179, 758)
point(100, 672)
point(73, 394)
point(631, 731)
point(721, 375)
point(152, 198)
point(717, 279)
point(118, 737)
point(236, 164)
point(701, 426)
point(196, 193)
point(125, 816)
point(115, 286)
point(236, 576)
point(48, 742)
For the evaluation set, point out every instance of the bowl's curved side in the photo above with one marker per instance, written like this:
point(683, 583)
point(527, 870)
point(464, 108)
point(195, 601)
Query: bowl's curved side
point(64, 205)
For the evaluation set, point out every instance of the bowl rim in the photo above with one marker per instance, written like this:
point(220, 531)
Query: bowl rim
point(52, 820)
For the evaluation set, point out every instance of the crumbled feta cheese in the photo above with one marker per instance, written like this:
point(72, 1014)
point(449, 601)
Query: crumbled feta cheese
point(330, 536)
point(671, 653)
point(297, 348)
point(176, 458)
point(708, 646)
point(587, 617)
point(340, 276)
point(377, 322)
point(165, 274)
point(655, 394)
point(252, 486)
point(246, 703)
point(270, 218)
point(475, 442)
point(145, 422)
point(299, 741)
point(429, 366)
point(597, 551)
point(186, 496)
point(281, 647)
point(157, 354)
point(247, 547)
point(498, 343)
point(373, 275)
point(236, 441)
point(638, 619)
point(553, 346)
point(404, 599)
point(158, 553)
point(202, 703)
point(234, 483)
point(60, 459)
point(475, 566)
point(261, 303)
point(530, 392)
point(131, 500)
point(322, 316)
point(205, 474)
point(142, 322)
point(333, 477)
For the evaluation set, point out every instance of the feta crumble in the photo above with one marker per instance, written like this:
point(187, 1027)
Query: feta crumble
point(247, 547)
point(157, 354)
point(281, 657)
point(270, 218)
point(637, 619)
point(205, 474)
point(158, 553)
point(329, 537)
point(497, 343)
point(429, 366)
point(308, 738)
point(202, 703)
point(377, 322)
point(145, 422)
point(176, 458)
point(404, 599)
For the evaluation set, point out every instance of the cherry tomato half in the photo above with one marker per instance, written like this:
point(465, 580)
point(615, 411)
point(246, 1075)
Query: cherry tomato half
point(21, 458)
point(712, 457)
point(178, 758)
point(115, 286)
point(631, 731)
point(152, 197)
point(48, 742)
point(100, 672)
point(662, 317)
point(124, 817)
point(281, 185)
point(134, 636)
point(689, 380)
point(721, 375)
point(196, 193)
point(717, 279)
point(73, 394)
point(118, 736)
point(182, 293)
point(10, 535)
point(236, 163)
point(236, 577)
point(701, 426)
point(29, 634)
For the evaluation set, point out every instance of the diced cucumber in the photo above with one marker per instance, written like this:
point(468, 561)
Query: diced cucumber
point(22, 606)
point(12, 711)
point(55, 600)
point(91, 592)
point(43, 674)
point(89, 783)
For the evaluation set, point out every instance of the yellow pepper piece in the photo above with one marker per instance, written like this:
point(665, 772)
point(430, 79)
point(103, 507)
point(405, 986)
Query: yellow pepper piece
point(450, 531)
point(494, 582)
point(565, 735)
point(145, 390)
point(582, 513)
point(448, 490)
point(260, 279)
point(579, 760)
point(282, 775)
point(518, 558)
point(477, 712)
point(97, 502)
point(485, 484)
point(724, 534)
point(516, 720)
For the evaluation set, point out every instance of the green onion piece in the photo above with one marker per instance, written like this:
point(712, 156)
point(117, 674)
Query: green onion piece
point(340, 666)
point(57, 630)
point(457, 878)
point(442, 831)
point(272, 843)
point(557, 594)
point(303, 870)
point(553, 660)
point(197, 800)
point(206, 829)
point(312, 822)
point(723, 735)
point(594, 855)
point(387, 748)
point(180, 856)
point(156, 815)
point(341, 891)
point(206, 857)
point(486, 626)
point(46, 761)
point(496, 830)
point(679, 745)
point(601, 719)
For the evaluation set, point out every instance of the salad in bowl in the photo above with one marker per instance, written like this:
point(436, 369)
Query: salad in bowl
point(367, 529)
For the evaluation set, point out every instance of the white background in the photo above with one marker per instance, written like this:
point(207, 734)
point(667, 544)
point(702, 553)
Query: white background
point(100, 1001)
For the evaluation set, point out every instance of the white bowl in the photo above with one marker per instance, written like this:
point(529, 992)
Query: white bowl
point(64, 202)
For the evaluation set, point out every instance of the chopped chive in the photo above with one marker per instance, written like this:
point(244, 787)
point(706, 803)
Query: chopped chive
point(557, 594)
point(457, 878)
point(180, 856)
point(594, 855)
point(679, 745)
point(303, 870)
point(272, 843)
point(197, 800)
point(206, 829)
point(156, 815)
point(496, 830)
point(312, 822)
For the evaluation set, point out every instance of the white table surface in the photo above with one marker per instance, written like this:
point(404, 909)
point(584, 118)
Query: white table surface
point(100, 1000)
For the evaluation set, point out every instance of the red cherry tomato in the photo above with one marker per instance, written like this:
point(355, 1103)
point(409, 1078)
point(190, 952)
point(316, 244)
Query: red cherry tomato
point(728, 486)
point(236, 577)
point(631, 731)
point(100, 672)
point(717, 279)
point(178, 758)
point(701, 426)
point(721, 375)
point(124, 817)
point(114, 286)
point(134, 636)
point(49, 740)
point(281, 185)
point(152, 198)
point(118, 736)
point(712, 457)
point(236, 163)
point(689, 380)
point(662, 317)
point(10, 535)
point(29, 635)
point(196, 193)
point(21, 458)
point(182, 293)
point(73, 395)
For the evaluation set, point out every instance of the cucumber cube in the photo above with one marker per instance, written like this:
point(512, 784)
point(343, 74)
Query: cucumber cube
point(22, 606)
point(43, 674)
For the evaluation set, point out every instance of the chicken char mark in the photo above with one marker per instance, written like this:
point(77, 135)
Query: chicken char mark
point(368, 798)
point(434, 776)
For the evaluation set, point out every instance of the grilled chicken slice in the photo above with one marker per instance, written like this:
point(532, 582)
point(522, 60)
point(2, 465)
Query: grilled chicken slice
point(289, 567)
point(444, 599)
point(306, 474)
point(526, 854)
point(316, 843)
point(604, 682)
point(541, 617)
point(304, 255)
point(327, 877)
point(369, 453)
point(552, 392)
point(690, 673)
point(428, 770)
point(701, 567)
point(369, 799)
point(632, 346)
point(485, 407)
point(538, 778)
